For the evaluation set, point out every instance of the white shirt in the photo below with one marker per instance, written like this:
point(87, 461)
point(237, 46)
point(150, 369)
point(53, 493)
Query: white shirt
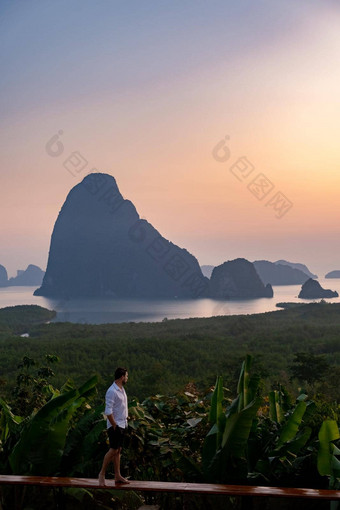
point(116, 404)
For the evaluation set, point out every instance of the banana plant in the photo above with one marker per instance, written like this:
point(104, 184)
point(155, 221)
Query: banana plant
point(224, 455)
point(327, 462)
point(82, 448)
point(283, 452)
point(9, 422)
point(279, 404)
point(41, 444)
point(10, 427)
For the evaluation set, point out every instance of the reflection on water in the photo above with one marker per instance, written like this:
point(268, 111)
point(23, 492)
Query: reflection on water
point(100, 311)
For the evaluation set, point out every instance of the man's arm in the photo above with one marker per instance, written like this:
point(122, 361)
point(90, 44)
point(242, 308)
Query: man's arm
point(109, 402)
point(111, 420)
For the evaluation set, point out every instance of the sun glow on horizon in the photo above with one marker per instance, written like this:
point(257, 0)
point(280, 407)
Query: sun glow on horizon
point(149, 107)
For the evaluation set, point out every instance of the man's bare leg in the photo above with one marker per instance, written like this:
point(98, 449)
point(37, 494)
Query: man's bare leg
point(107, 459)
point(116, 464)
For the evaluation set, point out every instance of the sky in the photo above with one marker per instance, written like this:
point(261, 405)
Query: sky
point(220, 121)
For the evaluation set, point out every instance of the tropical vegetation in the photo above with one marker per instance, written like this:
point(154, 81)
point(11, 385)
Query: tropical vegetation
point(253, 438)
point(164, 357)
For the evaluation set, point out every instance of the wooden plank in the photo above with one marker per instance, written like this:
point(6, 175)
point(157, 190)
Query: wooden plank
point(197, 488)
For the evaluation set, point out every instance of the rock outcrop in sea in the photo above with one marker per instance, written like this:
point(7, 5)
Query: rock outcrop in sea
point(32, 275)
point(279, 274)
point(237, 279)
point(333, 274)
point(312, 289)
point(297, 265)
point(100, 247)
point(3, 276)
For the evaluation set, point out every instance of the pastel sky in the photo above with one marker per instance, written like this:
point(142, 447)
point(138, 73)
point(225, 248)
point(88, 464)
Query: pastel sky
point(145, 90)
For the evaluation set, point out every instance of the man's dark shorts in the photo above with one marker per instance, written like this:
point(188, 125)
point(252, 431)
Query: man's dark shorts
point(116, 437)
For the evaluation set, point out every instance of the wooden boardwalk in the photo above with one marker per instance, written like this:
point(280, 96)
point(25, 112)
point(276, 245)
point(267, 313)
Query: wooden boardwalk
point(186, 488)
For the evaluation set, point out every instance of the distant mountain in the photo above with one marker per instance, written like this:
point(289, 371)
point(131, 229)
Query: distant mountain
point(101, 247)
point(296, 265)
point(237, 279)
point(3, 277)
point(207, 270)
point(333, 274)
point(279, 274)
point(312, 289)
point(32, 275)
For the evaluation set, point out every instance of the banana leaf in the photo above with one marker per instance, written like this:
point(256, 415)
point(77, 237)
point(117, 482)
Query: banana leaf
point(8, 421)
point(82, 442)
point(246, 388)
point(229, 460)
point(210, 447)
point(275, 410)
point(243, 383)
point(83, 427)
point(216, 414)
point(295, 445)
point(327, 462)
point(216, 401)
point(238, 427)
point(40, 447)
point(290, 429)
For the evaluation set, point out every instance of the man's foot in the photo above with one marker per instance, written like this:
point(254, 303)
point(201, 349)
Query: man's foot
point(121, 479)
point(101, 479)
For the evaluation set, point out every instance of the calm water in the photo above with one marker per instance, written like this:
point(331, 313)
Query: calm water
point(100, 311)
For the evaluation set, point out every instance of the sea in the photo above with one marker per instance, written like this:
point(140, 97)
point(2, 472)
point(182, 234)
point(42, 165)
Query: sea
point(102, 311)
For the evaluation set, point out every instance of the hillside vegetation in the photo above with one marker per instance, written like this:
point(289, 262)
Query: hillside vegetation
point(164, 357)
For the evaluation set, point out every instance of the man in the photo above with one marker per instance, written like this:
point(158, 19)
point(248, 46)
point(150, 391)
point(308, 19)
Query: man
point(116, 411)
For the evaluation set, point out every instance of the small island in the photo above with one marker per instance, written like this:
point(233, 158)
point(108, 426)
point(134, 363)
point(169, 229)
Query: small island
point(238, 279)
point(312, 289)
point(289, 305)
point(333, 274)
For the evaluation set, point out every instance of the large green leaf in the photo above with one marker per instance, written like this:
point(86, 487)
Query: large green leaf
point(8, 421)
point(83, 427)
point(275, 409)
point(296, 444)
point(243, 382)
point(209, 448)
point(238, 427)
point(216, 401)
point(82, 442)
point(229, 462)
point(229, 434)
point(329, 431)
point(40, 447)
point(216, 414)
point(246, 388)
point(290, 429)
point(217, 418)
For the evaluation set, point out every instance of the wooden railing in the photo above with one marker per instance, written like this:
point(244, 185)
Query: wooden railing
point(186, 488)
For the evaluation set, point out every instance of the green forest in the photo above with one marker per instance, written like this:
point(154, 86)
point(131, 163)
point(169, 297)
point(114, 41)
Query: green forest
point(240, 399)
point(163, 357)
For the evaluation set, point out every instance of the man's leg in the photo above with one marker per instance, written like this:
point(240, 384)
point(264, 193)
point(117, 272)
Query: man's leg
point(116, 463)
point(107, 459)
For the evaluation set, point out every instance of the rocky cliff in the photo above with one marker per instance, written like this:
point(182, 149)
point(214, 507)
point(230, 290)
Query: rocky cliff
point(33, 275)
point(297, 265)
point(312, 289)
point(3, 276)
point(101, 247)
point(237, 279)
point(279, 274)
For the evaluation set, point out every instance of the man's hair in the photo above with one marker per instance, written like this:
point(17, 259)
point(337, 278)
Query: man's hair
point(120, 372)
